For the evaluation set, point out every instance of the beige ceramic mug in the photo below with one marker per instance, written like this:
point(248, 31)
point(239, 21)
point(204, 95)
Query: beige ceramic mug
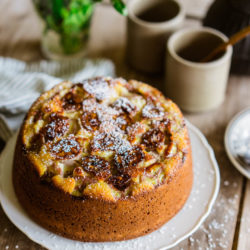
point(195, 86)
point(149, 24)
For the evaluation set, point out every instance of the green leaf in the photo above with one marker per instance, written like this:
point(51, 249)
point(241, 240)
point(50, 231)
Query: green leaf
point(51, 23)
point(57, 5)
point(77, 18)
point(120, 6)
point(64, 13)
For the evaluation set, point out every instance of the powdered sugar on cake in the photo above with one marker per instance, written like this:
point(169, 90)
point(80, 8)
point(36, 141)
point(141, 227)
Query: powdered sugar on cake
point(109, 122)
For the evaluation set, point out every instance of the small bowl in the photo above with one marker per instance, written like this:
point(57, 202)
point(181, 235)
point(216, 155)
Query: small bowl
point(237, 141)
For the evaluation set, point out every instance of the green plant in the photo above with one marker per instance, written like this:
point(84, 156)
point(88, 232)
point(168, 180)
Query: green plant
point(71, 19)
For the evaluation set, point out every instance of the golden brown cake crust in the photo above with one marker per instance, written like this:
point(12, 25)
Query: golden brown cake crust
point(99, 219)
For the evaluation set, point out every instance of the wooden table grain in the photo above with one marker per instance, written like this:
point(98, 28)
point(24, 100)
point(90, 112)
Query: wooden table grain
point(228, 225)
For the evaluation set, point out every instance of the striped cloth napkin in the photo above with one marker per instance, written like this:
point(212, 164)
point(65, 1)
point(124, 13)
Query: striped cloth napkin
point(21, 83)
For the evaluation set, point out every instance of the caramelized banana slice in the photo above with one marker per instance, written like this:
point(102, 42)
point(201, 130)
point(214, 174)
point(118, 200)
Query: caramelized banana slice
point(153, 138)
point(121, 182)
point(72, 101)
point(123, 105)
point(90, 121)
point(135, 132)
point(96, 166)
point(57, 126)
point(66, 148)
point(128, 161)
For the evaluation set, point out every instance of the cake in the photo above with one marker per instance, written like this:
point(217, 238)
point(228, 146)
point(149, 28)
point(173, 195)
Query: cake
point(102, 160)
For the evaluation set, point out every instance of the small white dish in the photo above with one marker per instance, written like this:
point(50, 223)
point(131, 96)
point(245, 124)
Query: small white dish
point(237, 141)
point(187, 221)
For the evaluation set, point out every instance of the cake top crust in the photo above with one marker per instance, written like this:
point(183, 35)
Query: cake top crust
point(105, 138)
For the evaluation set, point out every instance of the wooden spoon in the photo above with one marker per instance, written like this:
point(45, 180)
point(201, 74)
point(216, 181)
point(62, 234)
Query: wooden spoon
point(222, 47)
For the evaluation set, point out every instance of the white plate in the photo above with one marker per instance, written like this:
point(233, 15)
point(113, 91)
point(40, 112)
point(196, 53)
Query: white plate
point(198, 206)
point(237, 140)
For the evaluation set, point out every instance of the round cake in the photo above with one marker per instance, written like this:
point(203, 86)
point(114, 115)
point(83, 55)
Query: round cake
point(103, 160)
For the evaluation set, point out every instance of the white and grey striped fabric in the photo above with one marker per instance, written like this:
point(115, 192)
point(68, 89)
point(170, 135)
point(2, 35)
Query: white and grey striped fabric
point(21, 83)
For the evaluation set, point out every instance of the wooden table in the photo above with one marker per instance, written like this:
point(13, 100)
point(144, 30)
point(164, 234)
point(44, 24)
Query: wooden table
point(228, 226)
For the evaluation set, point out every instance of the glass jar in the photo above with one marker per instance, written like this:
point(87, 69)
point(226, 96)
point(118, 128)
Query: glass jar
point(67, 26)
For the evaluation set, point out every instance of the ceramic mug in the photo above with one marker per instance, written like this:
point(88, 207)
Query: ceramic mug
point(195, 86)
point(149, 24)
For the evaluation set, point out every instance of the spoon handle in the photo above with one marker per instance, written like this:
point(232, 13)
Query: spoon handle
point(222, 47)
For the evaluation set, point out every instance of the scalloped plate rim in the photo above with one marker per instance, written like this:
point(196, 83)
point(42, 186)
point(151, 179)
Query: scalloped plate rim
point(216, 187)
